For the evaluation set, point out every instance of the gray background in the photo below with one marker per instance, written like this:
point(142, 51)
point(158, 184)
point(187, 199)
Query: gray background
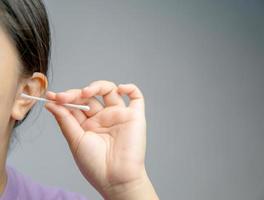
point(200, 65)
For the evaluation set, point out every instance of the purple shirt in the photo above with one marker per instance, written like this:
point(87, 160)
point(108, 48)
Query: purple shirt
point(20, 187)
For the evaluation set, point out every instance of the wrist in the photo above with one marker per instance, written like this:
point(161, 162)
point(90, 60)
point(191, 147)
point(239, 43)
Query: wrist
point(140, 188)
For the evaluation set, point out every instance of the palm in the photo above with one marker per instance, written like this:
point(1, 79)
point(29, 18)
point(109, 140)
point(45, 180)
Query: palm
point(110, 140)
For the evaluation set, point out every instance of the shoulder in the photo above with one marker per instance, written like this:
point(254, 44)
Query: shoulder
point(25, 188)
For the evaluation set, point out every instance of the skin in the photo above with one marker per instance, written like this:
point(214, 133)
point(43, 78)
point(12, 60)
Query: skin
point(12, 107)
point(108, 142)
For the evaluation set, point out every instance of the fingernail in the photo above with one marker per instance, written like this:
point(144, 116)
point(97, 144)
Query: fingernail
point(50, 92)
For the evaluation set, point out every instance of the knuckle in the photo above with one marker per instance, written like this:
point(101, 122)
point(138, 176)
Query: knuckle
point(132, 86)
point(73, 91)
point(136, 88)
point(93, 83)
point(111, 84)
point(103, 82)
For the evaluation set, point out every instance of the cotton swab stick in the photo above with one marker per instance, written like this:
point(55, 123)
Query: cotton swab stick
point(81, 107)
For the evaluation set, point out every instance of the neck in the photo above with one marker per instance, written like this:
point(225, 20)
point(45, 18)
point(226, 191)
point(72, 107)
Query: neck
point(3, 175)
point(3, 181)
point(4, 143)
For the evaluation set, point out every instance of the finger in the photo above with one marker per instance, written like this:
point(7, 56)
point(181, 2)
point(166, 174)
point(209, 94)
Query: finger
point(69, 96)
point(50, 95)
point(73, 96)
point(106, 89)
point(111, 117)
point(95, 107)
point(134, 94)
point(76, 113)
point(69, 126)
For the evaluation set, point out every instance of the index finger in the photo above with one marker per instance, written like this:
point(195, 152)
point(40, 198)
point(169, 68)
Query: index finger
point(65, 97)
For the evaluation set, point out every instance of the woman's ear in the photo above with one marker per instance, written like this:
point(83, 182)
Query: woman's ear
point(36, 85)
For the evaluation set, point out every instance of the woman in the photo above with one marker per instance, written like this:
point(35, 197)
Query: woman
point(107, 142)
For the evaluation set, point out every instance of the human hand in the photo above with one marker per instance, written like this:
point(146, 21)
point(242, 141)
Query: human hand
point(108, 142)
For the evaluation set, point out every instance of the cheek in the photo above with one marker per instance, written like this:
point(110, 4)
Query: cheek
point(4, 114)
point(5, 108)
point(8, 84)
point(8, 87)
point(9, 73)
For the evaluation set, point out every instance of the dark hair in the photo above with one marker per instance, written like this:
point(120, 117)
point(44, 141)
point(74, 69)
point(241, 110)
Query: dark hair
point(27, 24)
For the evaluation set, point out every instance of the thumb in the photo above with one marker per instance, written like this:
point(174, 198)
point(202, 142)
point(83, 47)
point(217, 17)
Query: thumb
point(69, 126)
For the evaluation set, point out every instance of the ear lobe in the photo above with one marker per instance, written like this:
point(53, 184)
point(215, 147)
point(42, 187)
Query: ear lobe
point(36, 86)
point(21, 107)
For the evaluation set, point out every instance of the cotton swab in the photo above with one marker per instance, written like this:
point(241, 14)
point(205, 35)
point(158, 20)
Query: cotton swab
point(81, 107)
